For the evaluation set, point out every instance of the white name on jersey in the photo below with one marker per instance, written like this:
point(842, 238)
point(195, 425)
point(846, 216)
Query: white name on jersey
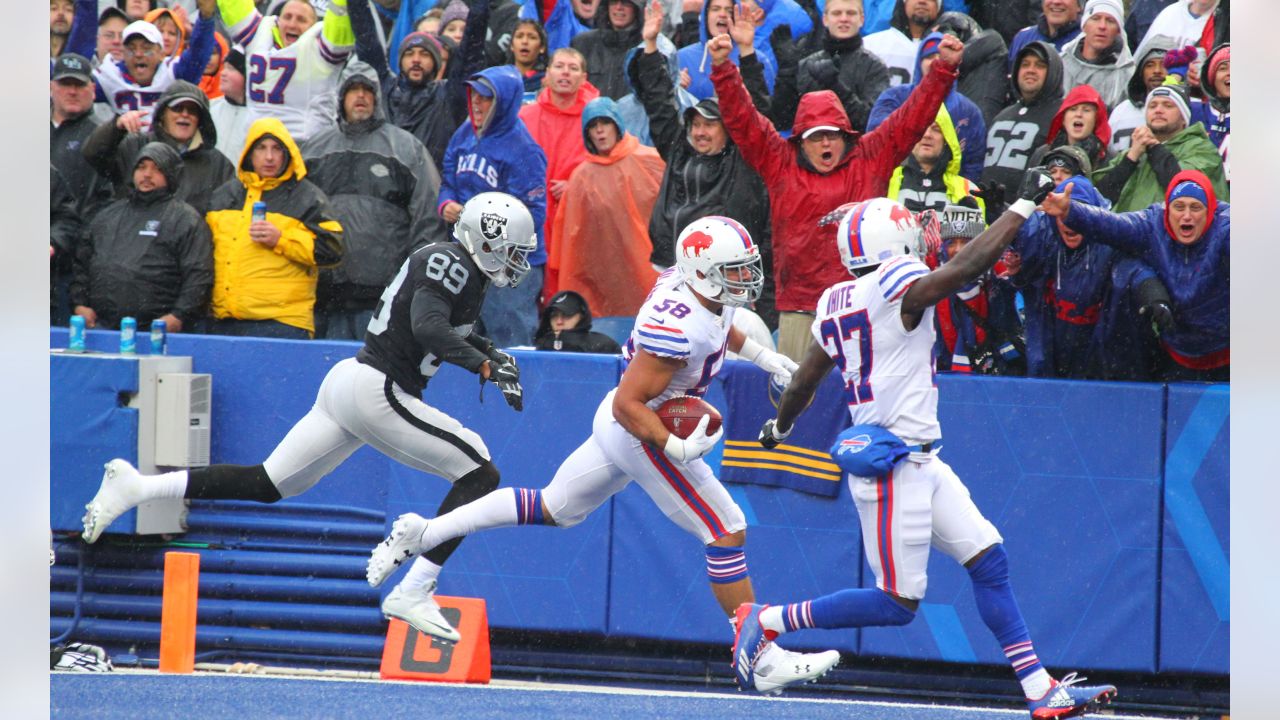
point(888, 370)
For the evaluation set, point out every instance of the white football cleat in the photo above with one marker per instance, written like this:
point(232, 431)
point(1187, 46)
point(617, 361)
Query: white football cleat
point(778, 668)
point(422, 612)
point(402, 544)
point(121, 491)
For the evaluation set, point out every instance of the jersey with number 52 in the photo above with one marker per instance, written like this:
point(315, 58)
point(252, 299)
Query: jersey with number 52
point(673, 324)
point(438, 288)
point(888, 371)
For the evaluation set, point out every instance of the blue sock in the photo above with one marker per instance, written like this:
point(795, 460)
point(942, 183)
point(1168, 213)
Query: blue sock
point(999, 610)
point(860, 607)
point(529, 507)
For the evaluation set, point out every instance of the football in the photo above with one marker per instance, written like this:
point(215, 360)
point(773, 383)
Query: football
point(681, 414)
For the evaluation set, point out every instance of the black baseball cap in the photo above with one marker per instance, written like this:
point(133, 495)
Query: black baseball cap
point(71, 65)
point(113, 11)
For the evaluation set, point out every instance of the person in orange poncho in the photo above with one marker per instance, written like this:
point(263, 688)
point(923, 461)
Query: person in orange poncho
point(555, 122)
point(600, 240)
point(211, 83)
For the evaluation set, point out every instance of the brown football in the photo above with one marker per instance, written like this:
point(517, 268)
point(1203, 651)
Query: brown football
point(681, 414)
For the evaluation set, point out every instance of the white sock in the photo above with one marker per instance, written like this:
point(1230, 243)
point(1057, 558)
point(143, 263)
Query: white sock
point(771, 619)
point(1036, 684)
point(495, 510)
point(422, 575)
point(167, 486)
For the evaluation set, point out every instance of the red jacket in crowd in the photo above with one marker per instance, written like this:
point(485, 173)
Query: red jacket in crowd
point(805, 259)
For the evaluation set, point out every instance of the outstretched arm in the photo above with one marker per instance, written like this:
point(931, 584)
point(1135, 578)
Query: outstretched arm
point(368, 46)
point(979, 255)
point(761, 145)
point(804, 383)
point(191, 64)
point(888, 145)
point(1126, 232)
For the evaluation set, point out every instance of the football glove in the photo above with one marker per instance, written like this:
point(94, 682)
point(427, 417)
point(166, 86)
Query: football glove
point(1036, 185)
point(698, 443)
point(506, 376)
point(771, 436)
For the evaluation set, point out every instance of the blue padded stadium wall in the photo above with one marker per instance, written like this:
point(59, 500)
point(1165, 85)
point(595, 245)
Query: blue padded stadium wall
point(1112, 498)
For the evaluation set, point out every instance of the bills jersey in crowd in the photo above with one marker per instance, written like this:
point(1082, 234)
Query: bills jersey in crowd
point(438, 287)
point(673, 324)
point(283, 82)
point(888, 371)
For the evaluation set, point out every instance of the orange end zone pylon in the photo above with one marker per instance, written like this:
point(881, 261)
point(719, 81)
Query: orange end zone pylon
point(178, 612)
point(411, 655)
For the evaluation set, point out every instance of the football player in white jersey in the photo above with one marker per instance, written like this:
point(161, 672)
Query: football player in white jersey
point(878, 330)
point(676, 347)
point(292, 59)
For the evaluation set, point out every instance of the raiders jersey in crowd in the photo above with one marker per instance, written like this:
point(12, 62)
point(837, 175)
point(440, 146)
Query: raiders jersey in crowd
point(425, 316)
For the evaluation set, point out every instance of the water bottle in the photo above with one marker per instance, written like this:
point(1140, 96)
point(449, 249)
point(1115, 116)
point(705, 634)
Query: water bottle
point(259, 211)
point(128, 336)
point(77, 334)
point(159, 337)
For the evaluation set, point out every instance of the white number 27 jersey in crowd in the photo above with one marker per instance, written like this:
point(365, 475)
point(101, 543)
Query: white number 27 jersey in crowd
point(673, 324)
point(888, 372)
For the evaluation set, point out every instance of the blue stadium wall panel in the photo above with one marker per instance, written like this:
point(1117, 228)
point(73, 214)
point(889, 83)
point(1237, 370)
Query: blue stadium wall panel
point(1195, 600)
point(1075, 475)
point(89, 426)
point(1075, 492)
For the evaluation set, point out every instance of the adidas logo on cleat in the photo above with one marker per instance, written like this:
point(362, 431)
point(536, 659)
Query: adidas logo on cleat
point(1061, 698)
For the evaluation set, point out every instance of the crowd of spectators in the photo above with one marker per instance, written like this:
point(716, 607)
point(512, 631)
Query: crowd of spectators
point(363, 126)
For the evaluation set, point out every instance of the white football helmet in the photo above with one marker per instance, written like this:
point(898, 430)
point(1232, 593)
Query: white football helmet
point(877, 230)
point(497, 230)
point(712, 248)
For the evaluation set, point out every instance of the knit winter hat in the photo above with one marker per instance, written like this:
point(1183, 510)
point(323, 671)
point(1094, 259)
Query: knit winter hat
point(1223, 55)
point(1114, 8)
point(455, 10)
point(1178, 60)
point(1177, 92)
point(235, 58)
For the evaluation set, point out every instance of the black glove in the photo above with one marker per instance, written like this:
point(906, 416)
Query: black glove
point(1036, 185)
point(825, 73)
point(1160, 315)
point(1154, 304)
point(506, 376)
point(991, 192)
point(770, 436)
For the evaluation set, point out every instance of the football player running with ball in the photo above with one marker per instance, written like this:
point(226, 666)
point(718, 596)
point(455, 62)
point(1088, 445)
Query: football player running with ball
point(423, 319)
point(676, 347)
point(878, 330)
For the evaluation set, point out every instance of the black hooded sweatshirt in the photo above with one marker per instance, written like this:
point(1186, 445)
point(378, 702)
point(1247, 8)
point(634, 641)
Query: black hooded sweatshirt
point(579, 339)
point(112, 151)
point(148, 255)
point(1023, 126)
point(606, 50)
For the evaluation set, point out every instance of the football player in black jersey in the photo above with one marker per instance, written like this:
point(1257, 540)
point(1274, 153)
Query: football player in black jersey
point(424, 318)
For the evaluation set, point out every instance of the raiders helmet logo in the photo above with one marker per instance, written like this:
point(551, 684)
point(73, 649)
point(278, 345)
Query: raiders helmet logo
point(492, 225)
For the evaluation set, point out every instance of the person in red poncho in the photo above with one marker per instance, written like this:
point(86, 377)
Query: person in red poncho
point(600, 239)
point(824, 165)
point(555, 122)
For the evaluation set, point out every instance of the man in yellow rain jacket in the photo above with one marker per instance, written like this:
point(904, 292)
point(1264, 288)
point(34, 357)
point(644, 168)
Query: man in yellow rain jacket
point(264, 278)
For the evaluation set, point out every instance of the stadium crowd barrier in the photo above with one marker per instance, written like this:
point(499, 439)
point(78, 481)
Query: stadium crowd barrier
point(1113, 499)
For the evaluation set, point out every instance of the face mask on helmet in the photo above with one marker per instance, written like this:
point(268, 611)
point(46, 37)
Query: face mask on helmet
point(497, 230)
point(877, 230)
point(720, 262)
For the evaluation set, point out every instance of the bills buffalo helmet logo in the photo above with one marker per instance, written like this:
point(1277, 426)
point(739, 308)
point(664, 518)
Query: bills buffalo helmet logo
point(902, 217)
point(695, 244)
point(492, 225)
point(855, 444)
